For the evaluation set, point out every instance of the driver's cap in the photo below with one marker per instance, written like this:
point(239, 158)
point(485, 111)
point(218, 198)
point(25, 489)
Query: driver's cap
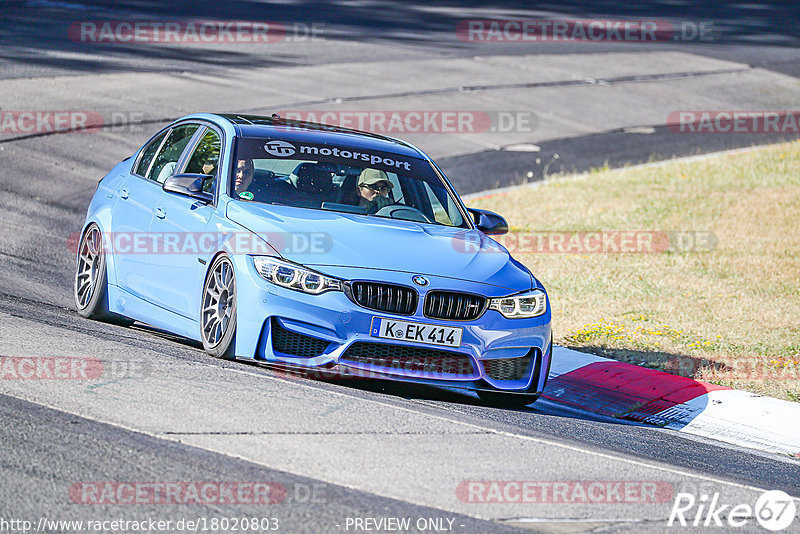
point(371, 176)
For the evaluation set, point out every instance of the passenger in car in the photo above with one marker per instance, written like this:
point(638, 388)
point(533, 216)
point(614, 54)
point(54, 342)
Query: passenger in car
point(244, 175)
point(250, 184)
point(261, 185)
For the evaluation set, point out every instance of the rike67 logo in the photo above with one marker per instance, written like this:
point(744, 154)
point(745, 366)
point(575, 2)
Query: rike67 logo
point(774, 510)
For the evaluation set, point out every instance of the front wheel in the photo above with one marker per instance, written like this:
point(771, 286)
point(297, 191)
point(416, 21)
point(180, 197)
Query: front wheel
point(218, 312)
point(91, 287)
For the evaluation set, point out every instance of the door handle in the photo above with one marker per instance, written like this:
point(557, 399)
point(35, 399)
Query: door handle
point(160, 213)
point(123, 193)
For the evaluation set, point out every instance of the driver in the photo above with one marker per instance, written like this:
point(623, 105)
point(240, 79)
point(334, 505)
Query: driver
point(373, 189)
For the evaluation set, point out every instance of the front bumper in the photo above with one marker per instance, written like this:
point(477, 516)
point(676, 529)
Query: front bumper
point(331, 331)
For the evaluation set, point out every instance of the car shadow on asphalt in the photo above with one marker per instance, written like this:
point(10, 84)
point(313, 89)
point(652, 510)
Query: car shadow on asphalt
point(667, 362)
point(453, 398)
point(167, 336)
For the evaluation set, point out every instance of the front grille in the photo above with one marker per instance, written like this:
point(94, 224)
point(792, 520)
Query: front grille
point(409, 361)
point(294, 344)
point(453, 306)
point(507, 368)
point(384, 297)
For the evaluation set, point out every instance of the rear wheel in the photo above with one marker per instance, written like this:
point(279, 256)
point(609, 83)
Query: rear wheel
point(218, 312)
point(91, 287)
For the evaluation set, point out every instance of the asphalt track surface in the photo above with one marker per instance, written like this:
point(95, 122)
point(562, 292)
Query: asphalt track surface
point(342, 449)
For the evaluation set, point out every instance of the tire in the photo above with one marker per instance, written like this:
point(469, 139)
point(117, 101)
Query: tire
point(218, 309)
point(502, 399)
point(90, 289)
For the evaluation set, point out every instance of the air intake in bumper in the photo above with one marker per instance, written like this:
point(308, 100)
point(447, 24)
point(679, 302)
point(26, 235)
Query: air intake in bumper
point(293, 344)
point(509, 368)
point(409, 361)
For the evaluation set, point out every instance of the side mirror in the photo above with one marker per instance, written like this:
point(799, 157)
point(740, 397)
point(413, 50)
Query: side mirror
point(489, 222)
point(190, 185)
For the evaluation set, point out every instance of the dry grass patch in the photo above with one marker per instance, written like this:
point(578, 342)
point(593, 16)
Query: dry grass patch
point(728, 314)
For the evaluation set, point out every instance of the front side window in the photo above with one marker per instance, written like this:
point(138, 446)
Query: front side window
point(440, 212)
point(205, 158)
point(342, 179)
point(165, 162)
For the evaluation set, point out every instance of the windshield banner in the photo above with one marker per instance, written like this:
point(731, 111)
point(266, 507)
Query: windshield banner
point(249, 148)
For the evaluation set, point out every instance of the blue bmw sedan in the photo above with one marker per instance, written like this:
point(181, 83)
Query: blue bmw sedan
point(313, 246)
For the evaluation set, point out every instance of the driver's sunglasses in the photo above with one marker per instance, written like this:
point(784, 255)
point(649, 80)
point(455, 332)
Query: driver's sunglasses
point(377, 189)
point(243, 170)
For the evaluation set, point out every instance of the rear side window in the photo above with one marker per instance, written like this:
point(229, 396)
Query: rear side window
point(166, 160)
point(147, 155)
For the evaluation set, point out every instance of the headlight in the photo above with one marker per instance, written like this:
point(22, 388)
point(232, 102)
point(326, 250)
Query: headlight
point(293, 276)
point(528, 304)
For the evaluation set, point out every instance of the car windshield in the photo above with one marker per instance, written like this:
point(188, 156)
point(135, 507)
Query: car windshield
point(343, 179)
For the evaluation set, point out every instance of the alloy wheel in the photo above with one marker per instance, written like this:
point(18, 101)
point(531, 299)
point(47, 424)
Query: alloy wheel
point(90, 261)
point(219, 302)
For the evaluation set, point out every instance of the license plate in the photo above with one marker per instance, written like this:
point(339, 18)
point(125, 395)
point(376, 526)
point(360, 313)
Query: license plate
point(430, 334)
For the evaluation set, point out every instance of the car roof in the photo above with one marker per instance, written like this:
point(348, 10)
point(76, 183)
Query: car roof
point(311, 132)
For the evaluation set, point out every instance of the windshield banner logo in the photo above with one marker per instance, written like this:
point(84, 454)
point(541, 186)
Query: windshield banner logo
point(281, 149)
point(278, 148)
point(372, 159)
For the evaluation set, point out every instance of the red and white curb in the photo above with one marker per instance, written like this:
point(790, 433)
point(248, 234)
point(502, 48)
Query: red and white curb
point(607, 387)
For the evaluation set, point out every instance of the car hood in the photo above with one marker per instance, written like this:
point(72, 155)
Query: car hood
point(325, 238)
